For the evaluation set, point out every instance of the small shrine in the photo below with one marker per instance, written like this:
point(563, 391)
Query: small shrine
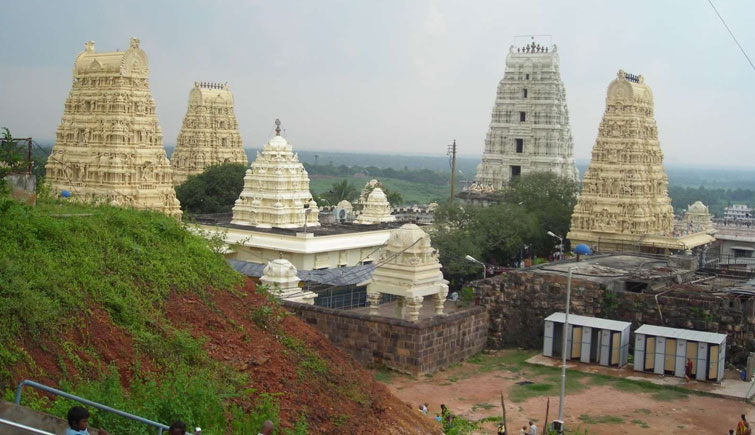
point(376, 209)
point(410, 270)
point(209, 134)
point(697, 219)
point(280, 276)
point(276, 190)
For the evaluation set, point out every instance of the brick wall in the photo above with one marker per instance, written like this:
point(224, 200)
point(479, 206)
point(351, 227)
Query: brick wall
point(518, 303)
point(414, 348)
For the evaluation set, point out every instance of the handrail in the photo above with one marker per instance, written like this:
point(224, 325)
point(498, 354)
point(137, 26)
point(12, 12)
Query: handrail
point(26, 428)
point(99, 406)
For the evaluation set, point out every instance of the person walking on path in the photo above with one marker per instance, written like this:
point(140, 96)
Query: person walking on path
point(688, 370)
point(743, 427)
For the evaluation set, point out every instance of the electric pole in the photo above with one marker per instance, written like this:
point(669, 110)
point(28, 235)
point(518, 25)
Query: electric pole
point(452, 153)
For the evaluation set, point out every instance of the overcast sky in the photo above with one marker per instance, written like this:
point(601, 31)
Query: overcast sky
point(395, 76)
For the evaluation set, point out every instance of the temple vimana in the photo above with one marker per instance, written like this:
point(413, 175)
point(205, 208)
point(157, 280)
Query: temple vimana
point(109, 145)
point(529, 127)
point(276, 189)
point(209, 134)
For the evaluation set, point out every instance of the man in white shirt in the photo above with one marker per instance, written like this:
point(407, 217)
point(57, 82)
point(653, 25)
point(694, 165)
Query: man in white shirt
point(533, 429)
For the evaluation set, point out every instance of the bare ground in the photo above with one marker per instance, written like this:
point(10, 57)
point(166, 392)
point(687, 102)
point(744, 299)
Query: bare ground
point(473, 391)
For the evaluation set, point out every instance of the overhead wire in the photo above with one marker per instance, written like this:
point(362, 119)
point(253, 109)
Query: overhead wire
point(732, 34)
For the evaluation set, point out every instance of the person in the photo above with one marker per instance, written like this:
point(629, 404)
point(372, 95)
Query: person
point(523, 431)
point(423, 408)
point(177, 428)
point(533, 429)
point(438, 418)
point(501, 429)
point(743, 427)
point(688, 370)
point(447, 417)
point(78, 421)
point(267, 428)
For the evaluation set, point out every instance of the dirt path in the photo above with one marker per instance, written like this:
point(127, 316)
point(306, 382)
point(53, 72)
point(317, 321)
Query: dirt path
point(472, 390)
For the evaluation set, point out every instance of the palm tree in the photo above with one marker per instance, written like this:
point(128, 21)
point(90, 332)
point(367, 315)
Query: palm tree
point(341, 190)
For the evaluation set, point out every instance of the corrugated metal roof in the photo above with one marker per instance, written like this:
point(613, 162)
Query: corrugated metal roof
point(681, 334)
point(341, 276)
point(592, 322)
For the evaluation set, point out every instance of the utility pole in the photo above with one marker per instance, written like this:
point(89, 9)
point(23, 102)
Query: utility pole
point(452, 153)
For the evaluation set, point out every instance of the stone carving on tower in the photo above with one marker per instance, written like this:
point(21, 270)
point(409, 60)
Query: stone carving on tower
point(624, 192)
point(276, 190)
point(109, 144)
point(376, 209)
point(209, 134)
point(409, 269)
point(529, 128)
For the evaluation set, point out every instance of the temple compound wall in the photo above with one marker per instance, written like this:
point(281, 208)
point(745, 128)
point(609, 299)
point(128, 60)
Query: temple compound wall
point(407, 347)
point(109, 144)
point(518, 302)
point(209, 134)
point(529, 127)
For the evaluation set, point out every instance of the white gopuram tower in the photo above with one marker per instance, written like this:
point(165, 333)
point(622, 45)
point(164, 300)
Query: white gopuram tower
point(376, 209)
point(109, 144)
point(529, 128)
point(280, 276)
point(276, 190)
point(209, 134)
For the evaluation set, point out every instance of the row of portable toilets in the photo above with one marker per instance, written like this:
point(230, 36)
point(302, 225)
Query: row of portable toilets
point(657, 349)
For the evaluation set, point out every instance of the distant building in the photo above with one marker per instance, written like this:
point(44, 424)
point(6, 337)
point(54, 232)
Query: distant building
point(529, 128)
point(624, 203)
point(738, 211)
point(109, 144)
point(209, 134)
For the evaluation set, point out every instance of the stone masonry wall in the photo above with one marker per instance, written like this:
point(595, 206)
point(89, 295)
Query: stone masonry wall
point(519, 302)
point(414, 348)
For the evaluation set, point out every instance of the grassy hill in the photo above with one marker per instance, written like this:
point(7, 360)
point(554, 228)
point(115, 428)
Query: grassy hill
point(131, 309)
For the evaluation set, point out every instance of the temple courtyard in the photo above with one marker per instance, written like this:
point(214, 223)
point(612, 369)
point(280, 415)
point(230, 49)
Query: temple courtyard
point(596, 402)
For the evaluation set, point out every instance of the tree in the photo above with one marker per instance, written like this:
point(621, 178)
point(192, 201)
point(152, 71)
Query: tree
point(213, 191)
point(493, 235)
point(11, 156)
point(550, 200)
point(341, 190)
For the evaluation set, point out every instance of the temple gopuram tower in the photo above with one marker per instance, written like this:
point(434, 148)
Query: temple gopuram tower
point(276, 190)
point(209, 134)
point(529, 128)
point(109, 145)
point(624, 202)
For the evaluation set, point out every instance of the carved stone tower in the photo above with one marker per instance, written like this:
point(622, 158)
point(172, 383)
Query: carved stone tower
point(276, 190)
point(529, 128)
point(624, 193)
point(109, 145)
point(209, 134)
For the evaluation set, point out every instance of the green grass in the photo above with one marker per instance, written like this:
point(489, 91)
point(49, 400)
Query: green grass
point(640, 423)
point(601, 419)
point(60, 259)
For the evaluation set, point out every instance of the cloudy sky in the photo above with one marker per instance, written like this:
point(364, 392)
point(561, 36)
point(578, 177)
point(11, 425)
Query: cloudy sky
point(395, 76)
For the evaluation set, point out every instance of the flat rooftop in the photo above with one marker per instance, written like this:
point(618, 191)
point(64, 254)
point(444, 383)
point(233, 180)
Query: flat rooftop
point(223, 220)
point(610, 267)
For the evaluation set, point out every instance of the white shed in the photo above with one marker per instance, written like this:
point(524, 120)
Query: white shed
point(589, 339)
point(662, 350)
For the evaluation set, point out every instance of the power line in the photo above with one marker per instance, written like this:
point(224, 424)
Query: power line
point(732, 34)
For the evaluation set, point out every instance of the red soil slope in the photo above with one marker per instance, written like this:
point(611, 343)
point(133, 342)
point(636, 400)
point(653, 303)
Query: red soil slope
point(344, 398)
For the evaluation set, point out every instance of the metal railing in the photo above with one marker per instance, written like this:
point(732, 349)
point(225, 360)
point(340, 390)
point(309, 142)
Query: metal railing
point(22, 427)
point(27, 383)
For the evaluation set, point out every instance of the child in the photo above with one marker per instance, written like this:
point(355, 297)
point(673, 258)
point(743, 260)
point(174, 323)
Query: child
point(78, 420)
